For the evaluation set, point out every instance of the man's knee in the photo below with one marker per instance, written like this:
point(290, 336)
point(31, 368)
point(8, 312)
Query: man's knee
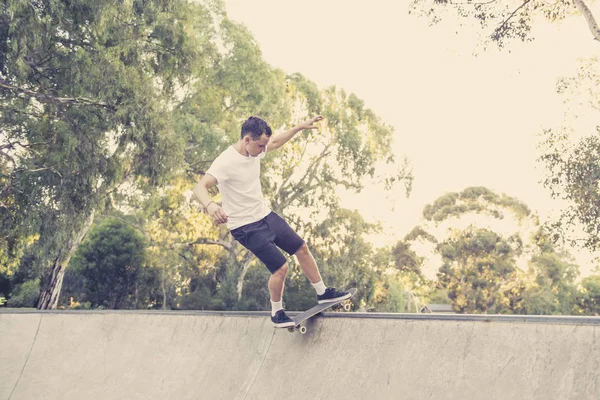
point(282, 271)
point(302, 250)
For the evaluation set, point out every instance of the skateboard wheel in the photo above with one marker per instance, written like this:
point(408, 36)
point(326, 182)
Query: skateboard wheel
point(302, 330)
point(347, 307)
point(291, 329)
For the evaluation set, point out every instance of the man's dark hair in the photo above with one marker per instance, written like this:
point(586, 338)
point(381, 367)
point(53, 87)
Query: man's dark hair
point(255, 127)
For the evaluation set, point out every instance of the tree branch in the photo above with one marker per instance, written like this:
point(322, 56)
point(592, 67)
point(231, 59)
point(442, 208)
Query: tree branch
point(12, 160)
point(284, 204)
point(292, 168)
point(583, 8)
point(45, 169)
point(511, 15)
point(471, 3)
point(44, 97)
point(218, 242)
point(310, 171)
point(12, 145)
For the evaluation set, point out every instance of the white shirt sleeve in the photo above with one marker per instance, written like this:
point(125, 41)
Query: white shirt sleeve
point(218, 170)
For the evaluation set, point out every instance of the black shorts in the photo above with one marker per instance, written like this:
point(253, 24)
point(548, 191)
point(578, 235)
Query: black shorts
point(264, 237)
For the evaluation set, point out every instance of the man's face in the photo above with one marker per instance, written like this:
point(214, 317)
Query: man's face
point(255, 147)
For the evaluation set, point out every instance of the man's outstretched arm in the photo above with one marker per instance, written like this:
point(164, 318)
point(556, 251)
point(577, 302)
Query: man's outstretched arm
point(282, 138)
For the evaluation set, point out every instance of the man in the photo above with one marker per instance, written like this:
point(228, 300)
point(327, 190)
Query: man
point(236, 172)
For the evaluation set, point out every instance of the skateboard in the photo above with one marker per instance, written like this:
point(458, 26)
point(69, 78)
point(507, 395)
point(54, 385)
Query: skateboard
point(319, 308)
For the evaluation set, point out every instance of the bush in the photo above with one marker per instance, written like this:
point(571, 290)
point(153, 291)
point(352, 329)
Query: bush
point(25, 294)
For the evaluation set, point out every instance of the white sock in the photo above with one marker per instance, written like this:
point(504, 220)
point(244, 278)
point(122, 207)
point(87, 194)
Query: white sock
point(319, 287)
point(276, 306)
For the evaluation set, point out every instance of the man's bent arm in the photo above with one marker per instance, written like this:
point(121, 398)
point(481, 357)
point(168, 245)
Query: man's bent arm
point(217, 213)
point(201, 189)
point(282, 138)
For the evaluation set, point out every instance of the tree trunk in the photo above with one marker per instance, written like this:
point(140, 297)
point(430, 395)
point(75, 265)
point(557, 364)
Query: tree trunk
point(54, 278)
point(164, 290)
point(583, 8)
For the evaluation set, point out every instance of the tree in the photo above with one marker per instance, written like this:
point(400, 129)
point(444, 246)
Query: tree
point(572, 161)
point(85, 91)
point(516, 271)
point(478, 270)
point(173, 227)
point(390, 296)
point(112, 265)
point(478, 200)
point(502, 22)
point(551, 288)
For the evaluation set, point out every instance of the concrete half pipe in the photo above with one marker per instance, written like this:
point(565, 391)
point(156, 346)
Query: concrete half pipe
point(203, 355)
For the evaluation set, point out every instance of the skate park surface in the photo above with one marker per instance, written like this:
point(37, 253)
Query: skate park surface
point(125, 355)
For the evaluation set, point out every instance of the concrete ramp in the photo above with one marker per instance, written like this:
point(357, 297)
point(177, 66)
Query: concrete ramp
point(147, 355)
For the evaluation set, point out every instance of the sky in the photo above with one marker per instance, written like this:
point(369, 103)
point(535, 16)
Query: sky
point(462, 120)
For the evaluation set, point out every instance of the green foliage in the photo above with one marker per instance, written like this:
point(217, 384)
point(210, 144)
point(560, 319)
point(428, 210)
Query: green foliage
point(393, 299)
point(479, 271)
point(478, 267)
point(309, 171)
point(553, 289)
point(406, 260)
point(439, 296)
point(299, 294)
point(255, 296)
point(417, 233)
point(341, 251)
point(202, 293)
point(85, 107)
point(200, 299)
point(572, 160)
point(474, 200)
point(590, 301)
point(574, 175)
point(110, 265)
point(25, 294)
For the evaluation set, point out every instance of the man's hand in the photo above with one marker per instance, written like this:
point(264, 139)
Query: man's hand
point(217, 213)
point(309, 124)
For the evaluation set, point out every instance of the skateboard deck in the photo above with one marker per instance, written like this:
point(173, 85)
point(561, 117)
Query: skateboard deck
point(319, 308)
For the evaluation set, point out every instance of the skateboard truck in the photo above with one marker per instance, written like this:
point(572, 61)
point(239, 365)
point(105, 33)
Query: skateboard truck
point(300, 328)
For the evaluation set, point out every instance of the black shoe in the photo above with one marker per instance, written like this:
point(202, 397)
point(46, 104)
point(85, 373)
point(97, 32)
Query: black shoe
point(331, 295)
point(281, 320)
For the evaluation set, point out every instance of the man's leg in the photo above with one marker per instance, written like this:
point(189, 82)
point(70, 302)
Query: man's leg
point(259, 239)
point(288, 240)
point(308, 264)
point(277, 283)
point(276, 286)
point(309, 267)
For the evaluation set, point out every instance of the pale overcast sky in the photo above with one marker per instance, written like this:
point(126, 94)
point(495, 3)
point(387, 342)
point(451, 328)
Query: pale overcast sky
point(461, 120)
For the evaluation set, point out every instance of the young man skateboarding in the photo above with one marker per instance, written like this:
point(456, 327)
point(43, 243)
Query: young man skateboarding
point(236, 172)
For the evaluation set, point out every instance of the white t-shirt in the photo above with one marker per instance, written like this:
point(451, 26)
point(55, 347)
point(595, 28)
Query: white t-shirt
point(238, 180)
